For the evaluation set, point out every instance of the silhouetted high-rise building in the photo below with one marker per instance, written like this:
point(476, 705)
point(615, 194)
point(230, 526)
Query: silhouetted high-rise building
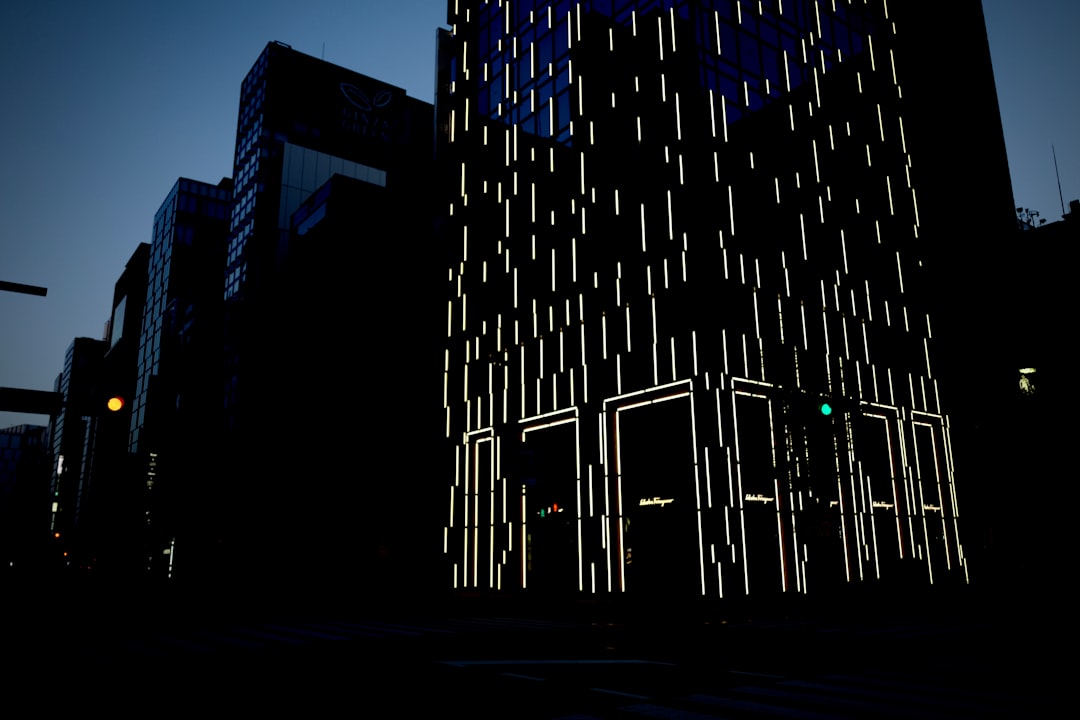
point(306, 291)
point(176, 404)
point(72, 434)
point(96, 510)
point(301, 121)
point(690, 347)
point(1026, 398)
point(24, 499)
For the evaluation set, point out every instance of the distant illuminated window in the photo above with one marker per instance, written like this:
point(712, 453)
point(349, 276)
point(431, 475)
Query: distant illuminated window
point(1027, 381)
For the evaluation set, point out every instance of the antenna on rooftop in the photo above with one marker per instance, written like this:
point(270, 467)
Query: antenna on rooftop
point(1060, 197)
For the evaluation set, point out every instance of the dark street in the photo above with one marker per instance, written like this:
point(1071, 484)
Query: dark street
point(475, 657)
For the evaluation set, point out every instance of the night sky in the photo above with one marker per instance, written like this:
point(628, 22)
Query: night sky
point(105, 105)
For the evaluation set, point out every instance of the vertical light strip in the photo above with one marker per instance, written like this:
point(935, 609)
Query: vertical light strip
point(491, 516)
point(642, 227)
point(671, 13)
point(660, 36)
point(603, 334)
point(712, 113)
point(553, 269)
point(802, 231)
point(670, 230)
point(582, 172)
point(693, 339)
point(678, 119)
point(731, 210)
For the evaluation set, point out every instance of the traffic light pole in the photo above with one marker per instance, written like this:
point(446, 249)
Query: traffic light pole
point(24, 289)
point(34, 402)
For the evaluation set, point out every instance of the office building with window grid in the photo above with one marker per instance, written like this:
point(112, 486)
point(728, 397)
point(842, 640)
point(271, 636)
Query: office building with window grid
point(330, 213)
point(176, 404)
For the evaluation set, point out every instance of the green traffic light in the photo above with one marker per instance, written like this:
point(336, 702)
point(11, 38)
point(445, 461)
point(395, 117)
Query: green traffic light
point(825, 408)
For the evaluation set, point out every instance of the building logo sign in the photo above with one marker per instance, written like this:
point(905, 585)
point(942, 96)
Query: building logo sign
point(655, 501)
point(758, 497)
point(364, 118)
point(359, 98)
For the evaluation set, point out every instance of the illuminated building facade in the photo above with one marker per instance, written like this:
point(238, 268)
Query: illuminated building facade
point(688, 348)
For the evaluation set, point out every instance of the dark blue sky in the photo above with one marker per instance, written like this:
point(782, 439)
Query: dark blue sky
point(106, 104)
